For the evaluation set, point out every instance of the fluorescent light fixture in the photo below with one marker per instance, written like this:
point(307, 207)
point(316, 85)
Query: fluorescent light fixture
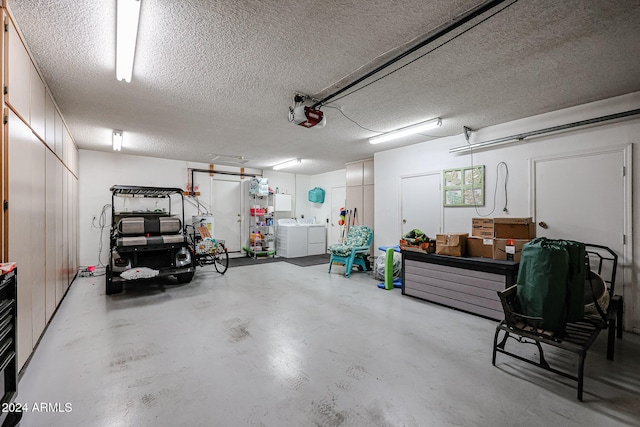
point(287, 164)
point(117, 140)
point(128, 14)
point(406, 131)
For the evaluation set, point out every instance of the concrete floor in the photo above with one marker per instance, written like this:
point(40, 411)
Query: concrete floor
point(282, 345)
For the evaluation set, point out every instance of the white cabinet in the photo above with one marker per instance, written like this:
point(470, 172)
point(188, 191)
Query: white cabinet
point(297, 240)
point(316, 239)
point(41, 191)
point(18, 74)
point(37, 104)
point(50, 122)
point(360, 190)
point(282, 202)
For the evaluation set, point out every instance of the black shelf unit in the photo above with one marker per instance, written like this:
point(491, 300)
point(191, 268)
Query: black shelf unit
point(8, 344)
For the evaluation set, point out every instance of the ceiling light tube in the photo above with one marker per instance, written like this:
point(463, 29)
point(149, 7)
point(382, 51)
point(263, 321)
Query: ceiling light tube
point(117, 140)
point(128, 14)
point(405, 131)
point(287, 164)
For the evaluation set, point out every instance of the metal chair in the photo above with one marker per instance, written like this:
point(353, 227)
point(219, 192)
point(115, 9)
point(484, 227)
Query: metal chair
point(604, 262)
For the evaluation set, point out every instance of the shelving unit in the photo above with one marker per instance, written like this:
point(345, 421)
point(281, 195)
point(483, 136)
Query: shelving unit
point(8, 362)
point(262, 236)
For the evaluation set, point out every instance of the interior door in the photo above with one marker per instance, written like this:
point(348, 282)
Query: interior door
point(422, 203)
point(225, 207)
point(338, 200)
point(582, 197)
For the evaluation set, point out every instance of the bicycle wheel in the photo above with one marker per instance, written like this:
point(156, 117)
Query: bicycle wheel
point(221, 260)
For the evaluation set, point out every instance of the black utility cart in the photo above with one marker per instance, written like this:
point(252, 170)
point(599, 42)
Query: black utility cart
point(148, 236)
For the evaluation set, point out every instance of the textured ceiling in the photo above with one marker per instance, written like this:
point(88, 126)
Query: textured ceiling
point(217, 77)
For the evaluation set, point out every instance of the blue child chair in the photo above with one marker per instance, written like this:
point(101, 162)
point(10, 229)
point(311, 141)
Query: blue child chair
point(354, 250)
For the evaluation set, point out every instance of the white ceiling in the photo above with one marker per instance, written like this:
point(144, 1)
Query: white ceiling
point(217, 77)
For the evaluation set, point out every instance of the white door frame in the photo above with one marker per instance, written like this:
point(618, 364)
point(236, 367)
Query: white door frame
point(627, 246)
point(333, 215)
point(241, 207)
point(415, 175)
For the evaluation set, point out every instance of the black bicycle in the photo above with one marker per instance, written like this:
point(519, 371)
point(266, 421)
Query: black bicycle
point(207, 251)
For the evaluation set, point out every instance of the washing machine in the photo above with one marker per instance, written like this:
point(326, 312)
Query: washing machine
point(291, 239)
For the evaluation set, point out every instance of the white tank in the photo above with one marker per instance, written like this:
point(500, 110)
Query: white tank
point(203, 221)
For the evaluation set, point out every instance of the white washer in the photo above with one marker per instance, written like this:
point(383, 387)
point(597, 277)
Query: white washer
point(291, 239)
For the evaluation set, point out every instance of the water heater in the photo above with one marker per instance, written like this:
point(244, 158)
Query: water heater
point(203, 221)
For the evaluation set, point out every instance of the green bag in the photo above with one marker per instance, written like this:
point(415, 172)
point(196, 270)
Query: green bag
point(576, 280)
point(415, 237)
point(551, 282)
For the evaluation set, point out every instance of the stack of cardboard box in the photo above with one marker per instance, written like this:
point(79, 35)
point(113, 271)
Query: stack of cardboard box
point(453, 244)
point(498, 238)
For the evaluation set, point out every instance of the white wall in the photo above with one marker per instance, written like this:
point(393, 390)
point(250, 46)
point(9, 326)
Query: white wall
point(101, 170)
point(326, 181)
point(298, 185)
point(391, 165)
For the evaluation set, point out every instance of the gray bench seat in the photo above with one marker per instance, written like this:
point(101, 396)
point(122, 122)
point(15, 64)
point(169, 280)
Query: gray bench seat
point(139, 231)
point(151, 240)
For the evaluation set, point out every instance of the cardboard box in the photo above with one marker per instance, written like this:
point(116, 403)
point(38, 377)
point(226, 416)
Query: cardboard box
point(428, 247)
point(514, 228)
point(501, 252)
point(480, 246)
point(451, 244)
point(482, 227)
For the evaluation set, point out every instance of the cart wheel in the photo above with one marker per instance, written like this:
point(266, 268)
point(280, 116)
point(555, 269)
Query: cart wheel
point(111, 288)
point(221, 260)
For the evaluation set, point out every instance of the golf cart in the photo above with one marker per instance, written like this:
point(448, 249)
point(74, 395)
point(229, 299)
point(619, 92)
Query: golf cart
point(148, 237)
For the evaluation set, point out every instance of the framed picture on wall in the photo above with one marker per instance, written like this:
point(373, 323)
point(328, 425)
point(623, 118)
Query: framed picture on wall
point(463, 186)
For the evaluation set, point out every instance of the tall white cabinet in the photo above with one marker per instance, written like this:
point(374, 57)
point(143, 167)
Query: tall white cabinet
point(360, 192)
point(39, 192)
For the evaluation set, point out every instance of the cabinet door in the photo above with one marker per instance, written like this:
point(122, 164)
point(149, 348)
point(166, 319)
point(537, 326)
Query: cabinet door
point(36, 245)
point(65, 230)
point(68, 147)
point(37, 104)
point(354, 173)
point(58, 134)
point(367, 178)
point(50, 237)
point(50, 122)
point(18, 69)
point(367, 206)
point(283, 202)
point(20, 140)
point(354, 204)
point(60, 212)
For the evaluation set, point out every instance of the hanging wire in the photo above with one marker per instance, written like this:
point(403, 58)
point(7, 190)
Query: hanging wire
point(495, 190)
point(353, 121)
point(375, 131)
point(102, 223)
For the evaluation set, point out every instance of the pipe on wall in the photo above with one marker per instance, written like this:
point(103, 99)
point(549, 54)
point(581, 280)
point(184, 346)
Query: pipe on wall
point(522, 136)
